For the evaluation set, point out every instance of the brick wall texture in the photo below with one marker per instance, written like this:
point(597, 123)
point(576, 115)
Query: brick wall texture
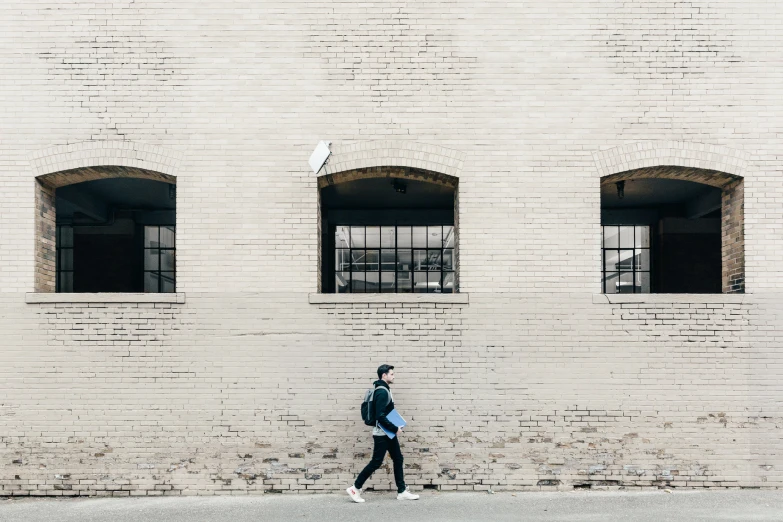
point(536, 382)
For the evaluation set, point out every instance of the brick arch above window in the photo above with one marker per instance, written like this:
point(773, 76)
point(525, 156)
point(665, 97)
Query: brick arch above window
point(655, 154)
point(388, 172)
point(88, 161)
point(394, 153)
point(89, 154)
point(712, 178)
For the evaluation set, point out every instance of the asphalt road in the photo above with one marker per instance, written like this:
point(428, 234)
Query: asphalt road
point(715, 506)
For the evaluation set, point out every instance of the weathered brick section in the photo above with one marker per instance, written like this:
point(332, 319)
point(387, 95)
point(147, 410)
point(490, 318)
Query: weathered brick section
point(733, 237)
point(80, 175)
point(388, 172)
point(712, 178)
point(45, 238)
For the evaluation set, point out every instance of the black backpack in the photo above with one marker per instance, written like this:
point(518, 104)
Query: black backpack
point(368, 410)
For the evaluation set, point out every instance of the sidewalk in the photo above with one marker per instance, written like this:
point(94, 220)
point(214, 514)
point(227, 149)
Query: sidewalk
point(653, 506)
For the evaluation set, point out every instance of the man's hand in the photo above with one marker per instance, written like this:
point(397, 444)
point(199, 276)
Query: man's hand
point(399, 431)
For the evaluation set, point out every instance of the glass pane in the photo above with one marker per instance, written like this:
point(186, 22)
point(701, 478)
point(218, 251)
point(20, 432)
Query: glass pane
point(342, 237)
point(611, 237)
point(65, 280)
point(342, 260)
point(66, 259)
point(448, 259)
point(642, 237)
point(403, 237)
point(448, 237)
point(373, 258)
point(150, 281)
point(642, 259)
point(167, 237)
point(419, 237)
point(626, 260)
point(357, 237)
point(610, 283)
point(435, 237)
point(626, 283)
point(611, 260)
point(372, 282)
point(167, 260)
point(387, 281)
point(341, 282)
point(151, 239)
point(626, 237)
point(388, 260)
point(404, 282)
point(151, 259)
point(357, 282)
point(643, 282)
point(448, 283)
point(433, 259)
point(373, 237)
point(433, 281)
point(357, 260)
point(167, 282)
point(420, 260)
point(387, 237)
point(66, 237)
point(420, 282)
point(403, 260)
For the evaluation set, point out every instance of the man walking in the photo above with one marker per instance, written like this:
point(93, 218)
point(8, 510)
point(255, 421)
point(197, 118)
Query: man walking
point(383, 404)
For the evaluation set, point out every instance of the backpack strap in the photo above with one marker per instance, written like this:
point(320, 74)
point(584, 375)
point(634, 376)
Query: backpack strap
point(388, 394)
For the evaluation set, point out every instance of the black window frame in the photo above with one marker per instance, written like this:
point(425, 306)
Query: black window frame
point(431, 253)
point(634, 270)
point(60, 250)
point(159, 272)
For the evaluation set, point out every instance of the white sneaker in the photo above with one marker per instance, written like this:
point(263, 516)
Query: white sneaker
point(356, 494)
point(407, 495)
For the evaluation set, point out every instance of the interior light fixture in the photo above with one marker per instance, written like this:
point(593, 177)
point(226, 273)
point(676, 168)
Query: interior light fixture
point(620, 189)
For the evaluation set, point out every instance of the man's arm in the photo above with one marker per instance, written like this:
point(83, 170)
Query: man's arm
point(381, 401)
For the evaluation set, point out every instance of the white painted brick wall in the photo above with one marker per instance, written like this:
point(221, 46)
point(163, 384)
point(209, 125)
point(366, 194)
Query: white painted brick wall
point(535, 383)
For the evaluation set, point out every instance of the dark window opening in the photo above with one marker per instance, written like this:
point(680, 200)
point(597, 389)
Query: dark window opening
point(661, 236)
point(388, 234)
point(116, 235)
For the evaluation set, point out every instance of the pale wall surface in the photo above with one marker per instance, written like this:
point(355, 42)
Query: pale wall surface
point(247, 386)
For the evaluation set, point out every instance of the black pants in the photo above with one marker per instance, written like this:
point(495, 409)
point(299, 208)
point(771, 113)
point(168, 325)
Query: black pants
point(382, 445)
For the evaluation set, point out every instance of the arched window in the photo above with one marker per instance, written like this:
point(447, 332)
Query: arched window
point(672, 230)
point(106, 229)
point(388, 229)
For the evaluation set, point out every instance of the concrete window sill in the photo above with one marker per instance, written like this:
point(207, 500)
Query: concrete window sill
point(42, 298)
point(388, 298)
point(668, 298)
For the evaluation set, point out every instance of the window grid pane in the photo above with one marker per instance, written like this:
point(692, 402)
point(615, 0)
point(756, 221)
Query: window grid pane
point(626, 259)
point(410, 259)
point(64, 258)
point(159, 259)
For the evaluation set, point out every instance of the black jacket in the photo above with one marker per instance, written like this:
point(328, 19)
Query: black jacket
point(381, 409)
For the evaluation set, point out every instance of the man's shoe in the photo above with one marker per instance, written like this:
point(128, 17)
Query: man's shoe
point(356, 494)
point(407, 495)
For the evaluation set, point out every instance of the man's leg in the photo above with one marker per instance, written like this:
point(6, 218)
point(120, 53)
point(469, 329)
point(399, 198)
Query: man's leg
point(380, 446)
point(396, 455)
